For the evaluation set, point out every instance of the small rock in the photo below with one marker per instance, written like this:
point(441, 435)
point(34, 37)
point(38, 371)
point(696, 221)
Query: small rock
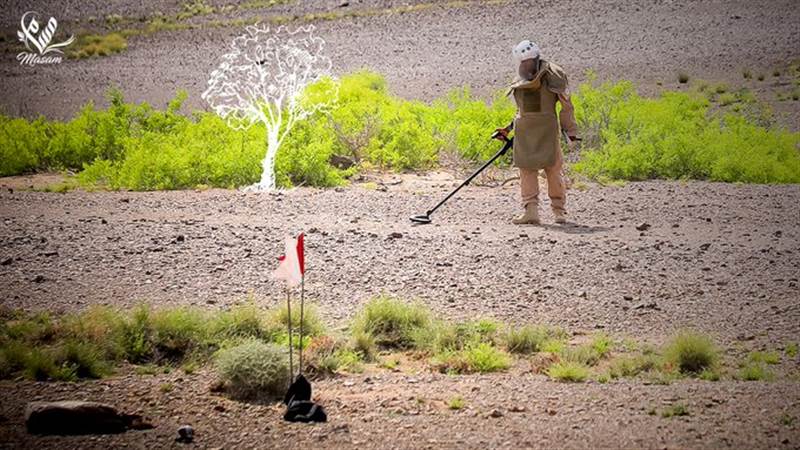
point(7, 261)
point(395, 235)
point(644, 226)
point(496, 413)
point(518, 409)
point(185, 434)
point(646, 305)
point(627, 297)
point(582, 294)
point(38, 279)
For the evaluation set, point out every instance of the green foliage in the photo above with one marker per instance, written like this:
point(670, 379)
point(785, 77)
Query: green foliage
point(485, 358)
point(478, 357)
point(691, 352)
point(631, 366)
point(312, 325)
point(136, 336)
point(767, 357)
point(526, 339)
point(676, 410)
point(568, 371)
point(677, 136)
point(364, 345)
point(392, 322)
point(82, 359)
point(241, 321)
point(755, 371)
point(791, 350)
point(91, 45)
point(456, 403)
point(254, 369)
point(129, 146)
point(178, 332)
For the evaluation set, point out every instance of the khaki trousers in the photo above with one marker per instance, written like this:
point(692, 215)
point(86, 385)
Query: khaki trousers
point(529, 185)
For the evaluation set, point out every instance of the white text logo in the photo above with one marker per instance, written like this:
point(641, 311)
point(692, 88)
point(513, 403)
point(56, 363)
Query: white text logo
point(37, 41)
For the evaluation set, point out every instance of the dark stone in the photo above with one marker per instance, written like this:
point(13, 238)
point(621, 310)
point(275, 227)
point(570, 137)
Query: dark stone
point(7, 261)
point(76, 417)
point(185, 434)
point(644, 226)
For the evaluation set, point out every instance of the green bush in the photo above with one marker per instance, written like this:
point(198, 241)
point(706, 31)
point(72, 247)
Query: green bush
point(254, 369)
point(691, 352)
point(568, 372)
point(241, 321)
point(391, 322)
point(129, 146)
point(677, 136)
point(527, 339)
point(481, 358)
point(312, 325)
point(178, 332)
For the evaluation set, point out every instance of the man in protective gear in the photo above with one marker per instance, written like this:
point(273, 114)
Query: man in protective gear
point(537, 143)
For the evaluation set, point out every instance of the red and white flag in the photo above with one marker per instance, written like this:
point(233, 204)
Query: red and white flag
point(292, 264)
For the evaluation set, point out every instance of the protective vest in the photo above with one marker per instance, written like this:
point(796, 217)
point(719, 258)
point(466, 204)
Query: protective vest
point(536, 134)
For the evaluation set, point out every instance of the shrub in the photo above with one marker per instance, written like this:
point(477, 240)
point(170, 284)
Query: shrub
point(632, 366)
point(485, 358)
point(481, 358)
point(568, 372)
point(601, 344)
point(177, 332)
point(312, 325)
point(755, 371)
point(677, 136)
point(253, 369)
point(456, 403)
point(241, 321)
point(135, 336)
point(83, 359)
point(392, 322)
point(691, 352)
point(364, 345)
point(527, 339)
point(791, 350)
point(99, 45)
point(767, 357)
point(676, 410)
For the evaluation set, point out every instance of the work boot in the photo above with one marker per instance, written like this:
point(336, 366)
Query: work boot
point(560, 215)
point(530, 216)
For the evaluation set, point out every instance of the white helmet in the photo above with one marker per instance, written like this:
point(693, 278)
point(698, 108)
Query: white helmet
point(525, 50)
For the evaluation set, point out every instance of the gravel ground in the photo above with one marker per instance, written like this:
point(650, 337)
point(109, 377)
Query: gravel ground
point(396, 410)
point(723, 258)
point(639, 261)
point(424, 54)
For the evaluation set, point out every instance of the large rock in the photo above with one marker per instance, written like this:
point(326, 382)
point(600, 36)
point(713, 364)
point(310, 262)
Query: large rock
point(76, 417)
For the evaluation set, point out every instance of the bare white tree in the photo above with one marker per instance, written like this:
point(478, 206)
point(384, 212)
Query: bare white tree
point(263, 79)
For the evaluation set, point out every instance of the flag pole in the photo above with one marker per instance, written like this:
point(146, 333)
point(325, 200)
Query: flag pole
point(289, 313)
point(302, 299)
